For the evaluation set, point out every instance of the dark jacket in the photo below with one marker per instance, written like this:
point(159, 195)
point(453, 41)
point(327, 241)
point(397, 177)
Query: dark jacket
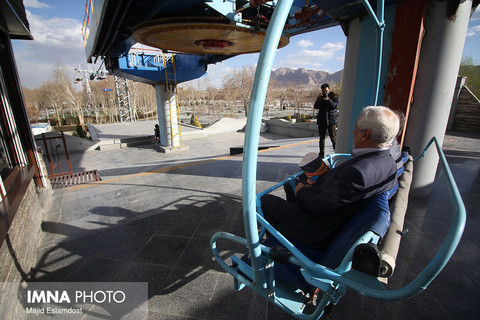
point(322, 210)
point(327, 109)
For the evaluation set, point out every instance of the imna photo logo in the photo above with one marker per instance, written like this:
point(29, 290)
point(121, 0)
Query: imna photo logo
point(62, 296)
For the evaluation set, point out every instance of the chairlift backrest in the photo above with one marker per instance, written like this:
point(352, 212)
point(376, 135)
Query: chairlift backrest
point(373, 216)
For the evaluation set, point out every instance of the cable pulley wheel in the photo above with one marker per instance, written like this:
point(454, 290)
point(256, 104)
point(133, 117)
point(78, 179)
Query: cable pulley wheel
point(201, 37)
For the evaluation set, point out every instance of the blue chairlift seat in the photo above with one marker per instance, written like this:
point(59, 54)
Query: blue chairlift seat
point(373, 217)
point(368, 225)
point(298, 271)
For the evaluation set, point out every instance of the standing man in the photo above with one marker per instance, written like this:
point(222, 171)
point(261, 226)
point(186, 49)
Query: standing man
point(327, 105)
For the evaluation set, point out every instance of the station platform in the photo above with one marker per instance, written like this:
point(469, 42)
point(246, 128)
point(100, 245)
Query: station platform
point(151, 217)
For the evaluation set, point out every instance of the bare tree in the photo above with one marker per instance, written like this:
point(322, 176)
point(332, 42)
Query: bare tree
point(147, 99)
point(237, 85)
point(133, 91)
point(50, 96)
point(280, 93)
point(31, 101)
point(60, 76)
point(103, 98)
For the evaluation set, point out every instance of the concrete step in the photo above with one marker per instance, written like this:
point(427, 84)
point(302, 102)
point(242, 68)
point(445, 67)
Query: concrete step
point(126, 142)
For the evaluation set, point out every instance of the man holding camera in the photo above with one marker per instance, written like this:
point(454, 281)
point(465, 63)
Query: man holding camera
point(327, 105)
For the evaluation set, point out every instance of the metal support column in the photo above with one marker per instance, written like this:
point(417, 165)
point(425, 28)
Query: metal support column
point(367, 38)
point(170, 134)
point(436, 77)
point(123, 100)
point(163, 114)
point(406, 47)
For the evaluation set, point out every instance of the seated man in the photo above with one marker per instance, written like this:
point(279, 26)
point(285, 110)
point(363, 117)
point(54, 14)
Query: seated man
point(322, 209)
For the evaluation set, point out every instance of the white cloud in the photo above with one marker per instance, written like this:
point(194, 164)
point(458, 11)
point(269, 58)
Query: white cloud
point(56, 40)
point(35, 4)
point(218, 70)
point(333, 46)
point(321, 54)
point(474, 31)
point(215, 74)
point(315, 59)
point(55, 31)
point(327, 51)
point(305, 43)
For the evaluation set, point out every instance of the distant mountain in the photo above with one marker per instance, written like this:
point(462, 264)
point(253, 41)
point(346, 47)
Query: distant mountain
point(305, 77)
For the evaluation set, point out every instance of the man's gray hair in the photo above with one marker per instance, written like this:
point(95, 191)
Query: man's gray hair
point(382, 122)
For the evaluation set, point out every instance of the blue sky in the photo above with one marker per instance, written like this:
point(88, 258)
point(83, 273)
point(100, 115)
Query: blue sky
point(56, 26)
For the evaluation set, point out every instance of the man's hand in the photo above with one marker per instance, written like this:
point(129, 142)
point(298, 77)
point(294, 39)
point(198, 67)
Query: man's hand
point(300, 185)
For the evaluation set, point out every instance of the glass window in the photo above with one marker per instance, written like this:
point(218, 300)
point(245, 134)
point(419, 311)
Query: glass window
point(6, 166)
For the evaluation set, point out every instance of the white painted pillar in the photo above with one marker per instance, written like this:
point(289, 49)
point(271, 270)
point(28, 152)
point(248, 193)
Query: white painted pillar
point(168, 117)
point(439, 62)
point(347, 116)
point(175, 121)
point(163, 114)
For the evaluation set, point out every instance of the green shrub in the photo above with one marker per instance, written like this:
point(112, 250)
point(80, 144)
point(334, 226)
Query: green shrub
point(197, 123)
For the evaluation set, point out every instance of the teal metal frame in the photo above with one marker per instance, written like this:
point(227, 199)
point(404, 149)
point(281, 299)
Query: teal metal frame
point(252, 136)
point(259, 274)
point(378, 18)
point(335, 282)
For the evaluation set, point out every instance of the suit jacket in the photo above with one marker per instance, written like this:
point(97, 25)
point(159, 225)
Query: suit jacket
point(327, 110)
point(322, 210)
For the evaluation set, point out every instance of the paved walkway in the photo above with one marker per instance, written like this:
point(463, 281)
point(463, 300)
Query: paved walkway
point(151, 218)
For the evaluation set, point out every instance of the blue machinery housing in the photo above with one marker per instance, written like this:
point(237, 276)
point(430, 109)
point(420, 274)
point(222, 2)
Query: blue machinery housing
point(259, 275)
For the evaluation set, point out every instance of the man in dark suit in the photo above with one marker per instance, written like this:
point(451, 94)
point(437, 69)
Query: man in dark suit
point(323, 208)
point(327, 105)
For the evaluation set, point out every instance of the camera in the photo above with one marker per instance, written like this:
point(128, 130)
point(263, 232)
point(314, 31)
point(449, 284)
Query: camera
point(324, 95)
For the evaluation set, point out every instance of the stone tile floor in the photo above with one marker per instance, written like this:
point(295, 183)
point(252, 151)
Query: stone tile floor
point(151, 218)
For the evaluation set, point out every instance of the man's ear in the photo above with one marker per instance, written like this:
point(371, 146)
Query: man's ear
point(366, 134)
